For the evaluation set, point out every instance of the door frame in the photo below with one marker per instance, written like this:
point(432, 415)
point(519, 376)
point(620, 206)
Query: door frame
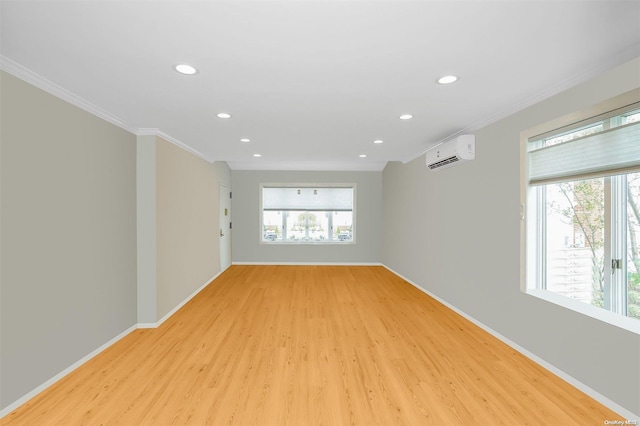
point(224, 202)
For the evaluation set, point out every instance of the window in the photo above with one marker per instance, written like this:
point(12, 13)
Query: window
point(305, 214)
point(583, 212)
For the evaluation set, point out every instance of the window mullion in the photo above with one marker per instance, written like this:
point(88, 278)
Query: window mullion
point(609, 223)
point(618, 249)
point(330, 225)
point(284, 225)
point(541, 251)
point(306, 226)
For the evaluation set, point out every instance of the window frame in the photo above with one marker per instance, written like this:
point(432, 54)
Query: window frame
point(532, 217)
point(329, 241)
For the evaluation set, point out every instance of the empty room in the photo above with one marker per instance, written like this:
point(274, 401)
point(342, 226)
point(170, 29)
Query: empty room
point(319, 212)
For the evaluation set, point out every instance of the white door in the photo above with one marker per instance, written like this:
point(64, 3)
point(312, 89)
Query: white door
point(225, 227)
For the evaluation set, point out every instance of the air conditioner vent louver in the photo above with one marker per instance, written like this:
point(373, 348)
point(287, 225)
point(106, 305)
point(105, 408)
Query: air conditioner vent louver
point(450, 153)
point(444, 162)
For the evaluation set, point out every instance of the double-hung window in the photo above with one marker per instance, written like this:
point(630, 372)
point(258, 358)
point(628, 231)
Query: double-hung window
point(307, 214)
point(583, 211)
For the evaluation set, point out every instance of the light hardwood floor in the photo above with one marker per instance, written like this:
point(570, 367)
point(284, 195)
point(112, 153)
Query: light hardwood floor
point(298, 345)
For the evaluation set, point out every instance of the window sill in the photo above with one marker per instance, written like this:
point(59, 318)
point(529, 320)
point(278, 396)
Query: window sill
point(308, 243)
point(601, 314)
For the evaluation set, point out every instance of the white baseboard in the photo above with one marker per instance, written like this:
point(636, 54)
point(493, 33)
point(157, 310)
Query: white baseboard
point(550, 367)
point(9, 408)
point(185, 301)
point(89, 356)
point(147, 325)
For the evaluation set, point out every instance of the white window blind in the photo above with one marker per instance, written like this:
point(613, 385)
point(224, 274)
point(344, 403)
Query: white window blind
point(309, 199)
point(606, 153)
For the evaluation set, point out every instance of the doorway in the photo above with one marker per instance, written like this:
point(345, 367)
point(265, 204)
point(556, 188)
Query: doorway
point(225, 227)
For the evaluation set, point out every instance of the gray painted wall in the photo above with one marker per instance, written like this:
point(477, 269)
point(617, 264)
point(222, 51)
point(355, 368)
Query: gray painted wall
point(246, 220)
point(68, 235)
point(458, 236)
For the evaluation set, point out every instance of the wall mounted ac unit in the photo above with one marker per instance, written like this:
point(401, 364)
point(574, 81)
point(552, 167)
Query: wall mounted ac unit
point(452, 152)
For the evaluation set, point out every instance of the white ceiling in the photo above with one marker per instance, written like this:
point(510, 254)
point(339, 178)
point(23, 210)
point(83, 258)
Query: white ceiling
point(312, 83)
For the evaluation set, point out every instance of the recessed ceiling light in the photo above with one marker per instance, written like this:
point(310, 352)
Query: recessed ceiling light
point(245, 140)
point(223, 115)
point(447, 79)
point(257, 155)
point(406, 117)
point(185, 69)
point(363, 155)
point(378, 141)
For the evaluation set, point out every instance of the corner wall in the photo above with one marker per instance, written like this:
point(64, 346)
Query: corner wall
point(457, 236)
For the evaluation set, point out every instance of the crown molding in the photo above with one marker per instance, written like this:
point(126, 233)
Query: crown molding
point(25, 74)
point(52, 88)
point(150, 131)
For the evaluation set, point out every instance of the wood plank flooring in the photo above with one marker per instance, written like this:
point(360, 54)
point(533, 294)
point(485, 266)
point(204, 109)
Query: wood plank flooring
point(311, 345)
